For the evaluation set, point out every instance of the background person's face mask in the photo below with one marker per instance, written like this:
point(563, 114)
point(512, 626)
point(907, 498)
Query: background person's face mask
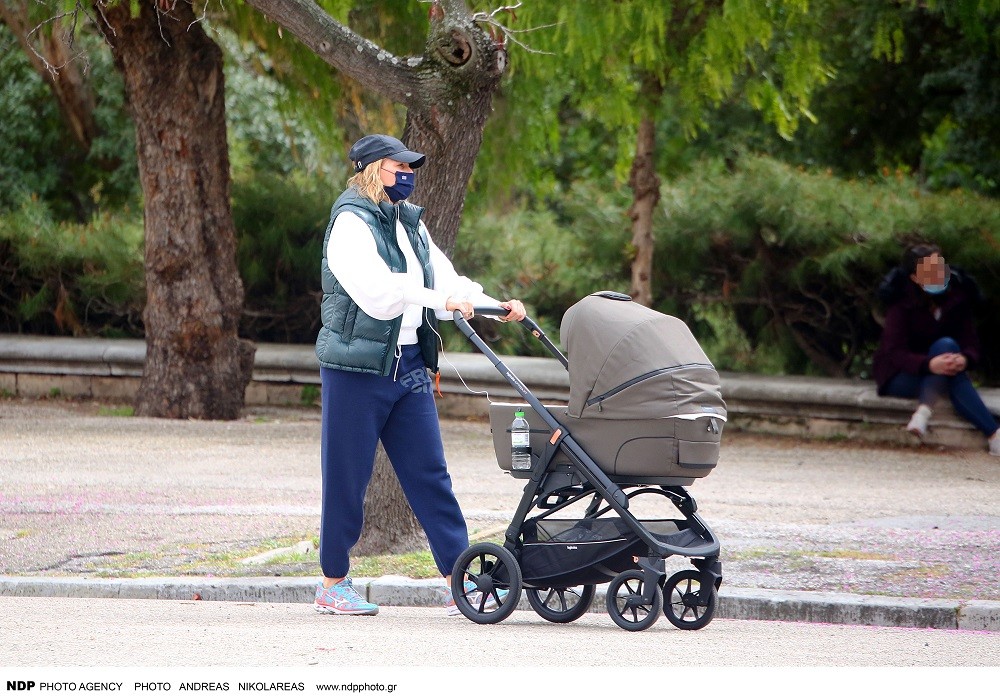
point(932, 274)
point(935, 288)
point(403, 188)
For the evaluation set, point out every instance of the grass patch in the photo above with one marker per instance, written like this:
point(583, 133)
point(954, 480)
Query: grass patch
point(411, 564)
point(117, 411)
point(799, 554)
point(310, 395)
point(851, 554)
point(922, 573)
point(290, 558)
point(132, 565)
point(186, 559)
point(220, 559)
point(755, 553)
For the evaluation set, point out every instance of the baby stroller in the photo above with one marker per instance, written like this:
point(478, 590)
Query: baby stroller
point(644, 420)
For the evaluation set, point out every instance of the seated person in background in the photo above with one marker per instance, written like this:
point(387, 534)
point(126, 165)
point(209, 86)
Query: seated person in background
point(929, 341)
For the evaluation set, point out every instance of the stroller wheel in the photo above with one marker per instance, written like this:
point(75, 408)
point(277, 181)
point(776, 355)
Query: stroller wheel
point(682, 606)
point(561, 604)
point(625, 601)
point(496, 578)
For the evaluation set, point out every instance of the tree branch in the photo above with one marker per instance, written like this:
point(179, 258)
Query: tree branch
point(57, 64)
point(348, 52)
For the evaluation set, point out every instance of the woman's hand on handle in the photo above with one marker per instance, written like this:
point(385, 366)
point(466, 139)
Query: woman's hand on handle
point(458, 305)
point(516, 308)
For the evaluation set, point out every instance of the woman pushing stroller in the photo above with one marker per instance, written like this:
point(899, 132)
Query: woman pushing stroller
point(385, 285)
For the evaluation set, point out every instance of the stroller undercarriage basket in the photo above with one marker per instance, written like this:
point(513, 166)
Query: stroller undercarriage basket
point(564, 553)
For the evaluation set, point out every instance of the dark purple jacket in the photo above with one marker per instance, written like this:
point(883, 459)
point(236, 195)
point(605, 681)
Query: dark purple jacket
point(910, 327)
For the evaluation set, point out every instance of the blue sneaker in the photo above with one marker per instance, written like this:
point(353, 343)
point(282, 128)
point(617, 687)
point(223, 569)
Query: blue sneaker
point(342, 599)
point(474, 597)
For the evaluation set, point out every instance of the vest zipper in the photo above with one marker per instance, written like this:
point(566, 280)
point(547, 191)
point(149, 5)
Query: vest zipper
point(398, 355)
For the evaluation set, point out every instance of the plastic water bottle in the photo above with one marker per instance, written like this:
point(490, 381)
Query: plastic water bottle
point(520, 443)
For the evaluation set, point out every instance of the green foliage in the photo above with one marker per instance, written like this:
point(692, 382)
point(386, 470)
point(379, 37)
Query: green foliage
point(915, 88)
point(86, 278)
point(599, 59)
point(549, 256)
point(324, 101)
point(27, 131)
point(266, 132)
point(37, 155)
point(795, 258)
point(310, 395)
point(775, 268)
point(973, 19)
point(280, 224)
point(725, 343)
point(61, 278)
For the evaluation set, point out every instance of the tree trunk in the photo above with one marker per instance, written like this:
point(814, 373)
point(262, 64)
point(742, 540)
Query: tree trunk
point(390, 526)
point(196, 365)
point(645, 185)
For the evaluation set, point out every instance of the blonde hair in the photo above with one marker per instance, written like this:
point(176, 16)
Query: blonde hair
point(369, 183)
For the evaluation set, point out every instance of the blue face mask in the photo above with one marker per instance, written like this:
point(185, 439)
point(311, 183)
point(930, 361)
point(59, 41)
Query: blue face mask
point(405, 182)
point(935, 288)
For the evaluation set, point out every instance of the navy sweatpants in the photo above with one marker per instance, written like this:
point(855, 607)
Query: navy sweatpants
point(360, 409)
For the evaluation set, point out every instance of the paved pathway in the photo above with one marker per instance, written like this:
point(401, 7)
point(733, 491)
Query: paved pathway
point(198, 633)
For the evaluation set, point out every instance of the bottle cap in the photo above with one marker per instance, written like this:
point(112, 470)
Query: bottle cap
point(519, 414)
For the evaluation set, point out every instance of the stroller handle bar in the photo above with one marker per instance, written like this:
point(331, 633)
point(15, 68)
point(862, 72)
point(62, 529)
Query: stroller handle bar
point(499, 312)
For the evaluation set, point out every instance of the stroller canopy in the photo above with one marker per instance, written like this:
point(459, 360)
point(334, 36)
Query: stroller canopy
point(629, 362)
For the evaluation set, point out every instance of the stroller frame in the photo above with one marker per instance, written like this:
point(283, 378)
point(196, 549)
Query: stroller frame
point(551, 488)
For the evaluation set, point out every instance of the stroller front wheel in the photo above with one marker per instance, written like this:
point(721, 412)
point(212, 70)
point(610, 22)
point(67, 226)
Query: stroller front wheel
point(495, 579)
point(626, 601)
point(683, 606)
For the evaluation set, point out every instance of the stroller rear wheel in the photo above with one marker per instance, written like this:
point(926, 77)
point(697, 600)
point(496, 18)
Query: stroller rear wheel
point(496, 576)
point(682, 606)
point(561, 604)
point(625, 601)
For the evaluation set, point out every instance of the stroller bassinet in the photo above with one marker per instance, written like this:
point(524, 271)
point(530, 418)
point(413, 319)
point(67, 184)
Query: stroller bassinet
point(645, 402)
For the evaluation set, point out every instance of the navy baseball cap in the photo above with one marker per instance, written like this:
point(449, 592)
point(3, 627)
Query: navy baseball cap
point(374, 147)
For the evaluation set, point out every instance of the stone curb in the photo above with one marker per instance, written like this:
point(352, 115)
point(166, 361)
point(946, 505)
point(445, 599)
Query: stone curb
point(734, 603)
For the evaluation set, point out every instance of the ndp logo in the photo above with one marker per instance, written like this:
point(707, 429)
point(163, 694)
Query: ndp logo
point(21, 685)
